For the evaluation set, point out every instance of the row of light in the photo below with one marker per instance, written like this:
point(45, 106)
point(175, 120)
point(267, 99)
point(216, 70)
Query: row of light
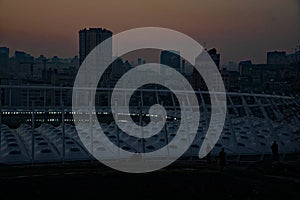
point(42, 112)
point(69, 120)
point(54, 113)
point(57, 120)
point(48, 120)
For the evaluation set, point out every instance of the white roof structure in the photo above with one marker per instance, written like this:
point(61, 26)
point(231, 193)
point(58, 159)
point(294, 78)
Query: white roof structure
point(253, 122)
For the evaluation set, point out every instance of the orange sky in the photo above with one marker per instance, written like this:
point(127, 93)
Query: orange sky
point(238, 29)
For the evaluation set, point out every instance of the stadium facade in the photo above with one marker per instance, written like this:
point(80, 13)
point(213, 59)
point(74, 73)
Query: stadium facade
point(36, 132)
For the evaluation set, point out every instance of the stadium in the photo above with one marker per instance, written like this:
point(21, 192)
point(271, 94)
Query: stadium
point(34, 131)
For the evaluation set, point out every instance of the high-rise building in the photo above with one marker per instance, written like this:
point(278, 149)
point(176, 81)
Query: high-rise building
point(170, 58)
point(90, 38)
point(203, 60)
point(215, 56)
point(22, 64)
point(4, 57)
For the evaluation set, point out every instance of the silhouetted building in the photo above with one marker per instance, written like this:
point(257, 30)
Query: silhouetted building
point(276, 58)
point(294, 58)
point(90, 38)
point(170, 58)
point(4, 58)
point(41, 58)
point(232, 66)
point(244, 67)
point(230, 79)
point(215, 56)
point(21, 56)
point(263, 77)
point(22, 65)
point(204, 61)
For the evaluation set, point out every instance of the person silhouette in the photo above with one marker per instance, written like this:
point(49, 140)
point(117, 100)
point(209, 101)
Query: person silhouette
point(274, 148)
point(222, 159)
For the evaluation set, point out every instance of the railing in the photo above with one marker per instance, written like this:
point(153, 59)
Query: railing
point(22, 96)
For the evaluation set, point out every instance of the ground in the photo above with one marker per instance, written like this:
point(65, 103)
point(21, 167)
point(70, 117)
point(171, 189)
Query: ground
point(182, 180)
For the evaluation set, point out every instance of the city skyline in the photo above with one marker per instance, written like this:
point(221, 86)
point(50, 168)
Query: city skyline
point(155, 55)
point(232, 27)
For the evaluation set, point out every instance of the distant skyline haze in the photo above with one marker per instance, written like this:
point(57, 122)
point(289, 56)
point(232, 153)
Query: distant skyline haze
point(239, 30)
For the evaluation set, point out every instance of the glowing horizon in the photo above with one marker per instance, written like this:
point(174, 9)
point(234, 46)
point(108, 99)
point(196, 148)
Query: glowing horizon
point(237, 30)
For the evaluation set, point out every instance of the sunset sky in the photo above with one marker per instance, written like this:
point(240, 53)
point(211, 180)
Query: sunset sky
point(238, 29)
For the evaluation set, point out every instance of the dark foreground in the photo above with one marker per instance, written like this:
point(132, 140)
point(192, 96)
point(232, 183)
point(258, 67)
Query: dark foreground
point(179, 181)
